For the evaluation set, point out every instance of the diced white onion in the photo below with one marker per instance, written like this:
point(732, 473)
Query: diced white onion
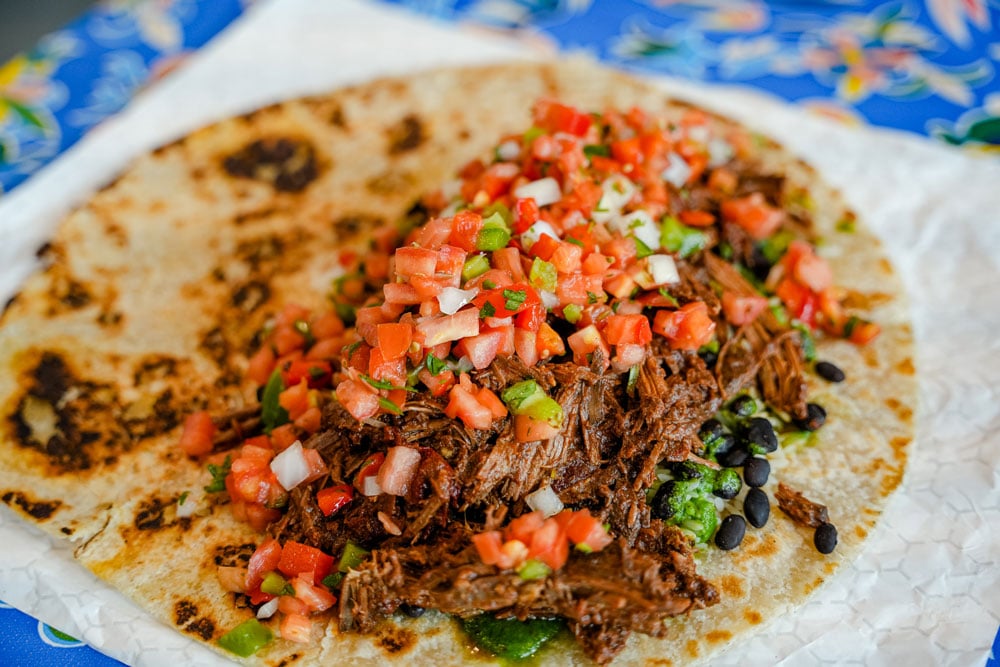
point(549, 299)
point(451, 299)
point(640, 225)
point(290, 466)
point(663, 269)
point(452, 208)
point(463, 365)
point(544, 500)
point(677, 171)
point(536, 231)
point(509, 150)
point(400, 465)
point(452, 188)
point(370, 487)
point(189, 505)
point(618, 191)
point(268, 609)
point(698, 133)
point(544, 191)
point(719, 152)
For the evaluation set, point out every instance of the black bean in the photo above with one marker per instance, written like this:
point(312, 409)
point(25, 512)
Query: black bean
point(829, 372)
point(661, 507)
point(710, 429)
point(743, 406)
point(760, 436)
point(734, 458)
point(756, 471)
point(815, 417)
point(731, 532)
point(825, 538)
point(720, 445)
point(412, 610)
point(757, 507)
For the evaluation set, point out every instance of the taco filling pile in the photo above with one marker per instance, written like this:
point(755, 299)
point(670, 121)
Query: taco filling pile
point(536, 398)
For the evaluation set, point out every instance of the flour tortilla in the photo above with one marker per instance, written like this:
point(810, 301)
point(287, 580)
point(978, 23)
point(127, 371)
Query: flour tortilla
point(154, 288)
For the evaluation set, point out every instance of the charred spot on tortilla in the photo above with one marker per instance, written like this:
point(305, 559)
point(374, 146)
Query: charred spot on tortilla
point(215, 346)
point(151, 415)
point(389, 183)
point(251, 295)
point(186, 617)
point(233, 555)
point(38, 509)
point(66, 419)
point(150, 515)
point(406, 135)
point(395, 639)
point(350, 226)
point(257, 214)
point(288, 165)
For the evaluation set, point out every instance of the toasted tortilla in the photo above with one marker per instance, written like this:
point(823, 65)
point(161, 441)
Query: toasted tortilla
point(154, 289)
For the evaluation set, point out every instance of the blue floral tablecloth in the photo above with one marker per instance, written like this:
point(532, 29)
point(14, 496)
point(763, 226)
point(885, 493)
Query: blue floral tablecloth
point(923, 66)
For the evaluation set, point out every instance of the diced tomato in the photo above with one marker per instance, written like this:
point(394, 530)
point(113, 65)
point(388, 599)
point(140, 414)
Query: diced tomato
point(314, 464)
point(548, 544)
point(582, 528)
point(492, 402)
point(316, 597)
point(295, 399)
point(326, 326)
point(488, 546)
point(567, 257)
point(261, 364)
point(358, 398)
point(740, 310)
point(621, 249)
point(526, 346)
point(290, 314)
point(800, 301)
point(524, 526)
point(864, 332)
point(627, 151)
point(544, 247)
point(465, 230)
point(397, 471)
point(557, 117)
point(525, 214)
point(264, 559)
point(465, 406)
point(292, 605)
point(433, 234)
point(332, 498)
point(260, 517)
point(298, 558)
point(480, 349)
point(620, 285)
point(531, 317)
point(506, 332)
point(285, 339)
point(392, 371)
point(509, 260)
point(627, 329)
point(753, 214)
point(358, 355)
point(310, 420)
point(813, 272)
point(316, 373)
point(585, 343)
point(282, 437)
point(404, 294)
point(687, 328)
point(296, 628)
point(369, 469)
point(548, 342)
point(394, 339)
point(197, 435)
point(596, 264)
point(367, 319)
point(412, 261)
point(257, 596)
point(527, 429)
point(694, 218)
point(449, 328)
point(232, 579)
point(439, 384)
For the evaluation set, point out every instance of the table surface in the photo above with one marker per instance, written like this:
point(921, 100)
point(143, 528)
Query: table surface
point(925, 67)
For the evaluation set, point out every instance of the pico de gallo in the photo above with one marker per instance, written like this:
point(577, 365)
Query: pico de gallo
point(575, 241)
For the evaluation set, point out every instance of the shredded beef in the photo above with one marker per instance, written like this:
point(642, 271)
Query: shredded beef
point(799, 508)
point(604, 596)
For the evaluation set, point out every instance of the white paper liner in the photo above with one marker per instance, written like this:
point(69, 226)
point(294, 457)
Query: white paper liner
point(926, 590)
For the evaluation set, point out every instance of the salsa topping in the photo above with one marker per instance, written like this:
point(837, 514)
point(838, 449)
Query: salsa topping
point(550, 374)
